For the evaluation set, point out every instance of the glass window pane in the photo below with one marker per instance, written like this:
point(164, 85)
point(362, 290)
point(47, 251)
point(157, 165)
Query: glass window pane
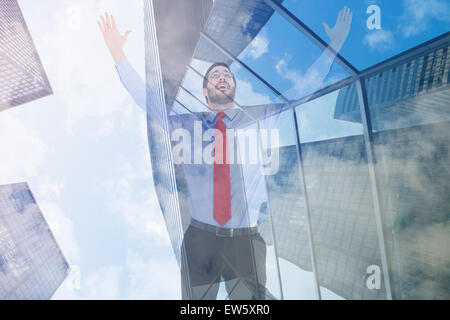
point(274, 49)
point(403, 25)
point(409, 108)
point(189, 101)
point(287, 207)
point(345, 237)
point(250, 90)
point(411, 93)
point(177, 108)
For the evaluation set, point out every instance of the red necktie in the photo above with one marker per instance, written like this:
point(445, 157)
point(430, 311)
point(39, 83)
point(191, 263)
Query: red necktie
point(222, 185)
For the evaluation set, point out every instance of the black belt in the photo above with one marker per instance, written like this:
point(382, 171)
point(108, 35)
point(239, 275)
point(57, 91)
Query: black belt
point(224, 232)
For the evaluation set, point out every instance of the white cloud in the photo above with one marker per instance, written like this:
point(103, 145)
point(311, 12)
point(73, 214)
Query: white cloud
point(284, 71)
point(47, 195)
point(103, 284)
point(153, 277)
point(134, 198)
point(303, 83)
point(24, 154)
point(49, 189)
point(280, 66)
point(87, 88)
point(380, 40)
point(106, 129)
point(62, 228)
point(22, 148)
point(247, 96)
point(419, 14)
point(258, 47)
point(133, 195)
point(78, 64)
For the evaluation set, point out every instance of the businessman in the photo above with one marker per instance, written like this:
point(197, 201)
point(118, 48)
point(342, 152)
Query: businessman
point(227, 195)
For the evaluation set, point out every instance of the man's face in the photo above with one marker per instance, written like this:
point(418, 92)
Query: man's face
point(221, 88)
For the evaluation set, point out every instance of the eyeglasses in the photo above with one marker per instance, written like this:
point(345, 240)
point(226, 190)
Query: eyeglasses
point(216, 75)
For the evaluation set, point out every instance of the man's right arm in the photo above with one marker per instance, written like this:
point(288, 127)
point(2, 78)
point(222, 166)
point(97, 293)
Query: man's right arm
point(132, 82)
point(141, 93)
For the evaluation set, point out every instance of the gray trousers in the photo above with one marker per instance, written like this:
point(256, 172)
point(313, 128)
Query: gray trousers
point(208, 259)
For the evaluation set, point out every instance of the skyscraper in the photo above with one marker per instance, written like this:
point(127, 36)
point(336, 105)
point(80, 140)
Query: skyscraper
point(22, 76)
point(343, 229)
point(415, 91)
point(32, 265)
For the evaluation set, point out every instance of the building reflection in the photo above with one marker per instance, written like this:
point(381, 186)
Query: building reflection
point(371, 194)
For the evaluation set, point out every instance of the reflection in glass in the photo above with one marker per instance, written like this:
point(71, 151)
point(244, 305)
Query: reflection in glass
point(213, 252)
point(403, 25)
point(271, 47)
point(287, 207)
point(412, 93)
point(284, 55)
point(250, 90)
point(408, 113)
point(190, 101)
point(409, 106)
point(344, 235)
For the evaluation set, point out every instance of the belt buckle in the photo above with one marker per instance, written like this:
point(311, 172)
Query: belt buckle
point(224, 232)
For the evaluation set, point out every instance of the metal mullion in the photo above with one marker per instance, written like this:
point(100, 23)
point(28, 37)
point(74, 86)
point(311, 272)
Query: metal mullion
point(311, 35)
point(401, 58)
point(239, 160)
point(192, 95)
point(181, 104)
point(291, 103)
point(306, 204)
point(371, 160)
point(269, 208)
point(324, 91)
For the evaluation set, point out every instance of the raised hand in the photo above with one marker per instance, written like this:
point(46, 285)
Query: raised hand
point(113, 39)
point(340, 31)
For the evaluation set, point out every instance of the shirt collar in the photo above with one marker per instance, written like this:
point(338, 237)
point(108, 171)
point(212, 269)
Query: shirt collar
point(230, 113)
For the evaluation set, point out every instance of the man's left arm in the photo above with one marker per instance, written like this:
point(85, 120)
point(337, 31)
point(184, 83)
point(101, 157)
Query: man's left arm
point(314, 77)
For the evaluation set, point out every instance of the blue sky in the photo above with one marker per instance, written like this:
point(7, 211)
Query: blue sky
point(84, 150)
point(404, 24)
point(281, 50)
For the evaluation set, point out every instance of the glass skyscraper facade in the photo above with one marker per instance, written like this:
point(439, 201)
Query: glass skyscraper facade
point(22, 76)
point(359, 203)
point(32, 265)
point(412, 92)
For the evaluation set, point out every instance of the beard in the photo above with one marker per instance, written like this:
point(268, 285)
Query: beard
point(219, 98)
